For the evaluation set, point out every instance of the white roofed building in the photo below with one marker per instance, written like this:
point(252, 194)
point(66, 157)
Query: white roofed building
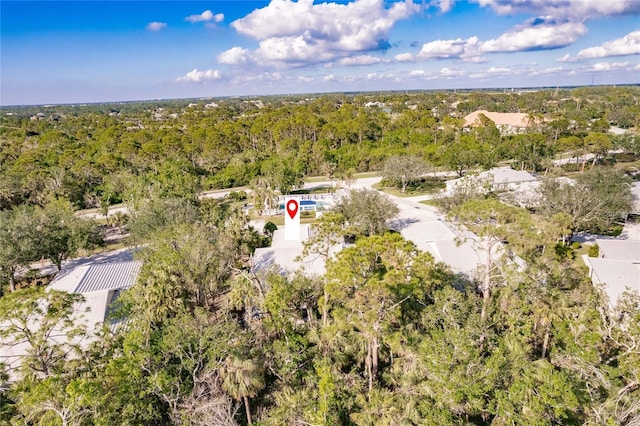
point(635, 193)
point(627, 250)
point(617, 269)
point(519, 187)
point(283, 255)
point(614, 276)
point(99, 279)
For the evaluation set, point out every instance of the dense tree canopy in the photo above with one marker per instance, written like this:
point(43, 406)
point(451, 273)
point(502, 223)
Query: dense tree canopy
point(387, 336)
point(87, 154)
point(596, 201)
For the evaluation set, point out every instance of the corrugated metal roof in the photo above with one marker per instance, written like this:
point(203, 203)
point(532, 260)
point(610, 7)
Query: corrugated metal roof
point(109, 276)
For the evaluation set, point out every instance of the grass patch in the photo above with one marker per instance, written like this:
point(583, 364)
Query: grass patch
point(433, 203)
point(366, 175)
point(109, 246)
point(305, 217)
point(631, 167)
point(426, 186)
point(312, 179)
point(323, 189)
point(579, 252)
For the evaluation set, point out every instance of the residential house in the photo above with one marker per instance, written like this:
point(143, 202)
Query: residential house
point(284, 256)
point(506, 122)
point(617, 269)
point(99, 279)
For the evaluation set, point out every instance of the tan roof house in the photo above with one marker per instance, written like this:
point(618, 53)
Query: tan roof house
point(506, 122)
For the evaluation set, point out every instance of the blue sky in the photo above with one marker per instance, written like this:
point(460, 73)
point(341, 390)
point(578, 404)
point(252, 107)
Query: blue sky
point(95, 51)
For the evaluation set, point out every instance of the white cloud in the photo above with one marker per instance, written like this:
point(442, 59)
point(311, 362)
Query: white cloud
point(564, 8)
point(552, 70)
point(466, 49)
point(205, 16)
point(605, 66)
point(623, 46)
point(156, 26)
point(492, 73)
point(195, 76)
point(360, 60)
point(404, 57)
point(296, 33)
point(452, 72)
point(235, 55)
point(566, 58)
point(536, 33)
point(260, 77)
point(499, 70)
point(417, 73)
point(627, 45)
point(443, 5)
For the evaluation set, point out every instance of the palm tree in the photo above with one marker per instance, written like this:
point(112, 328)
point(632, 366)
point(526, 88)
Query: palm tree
point(242, 379)
point(259, 187)
point(264, 195)
point(349, 177)
point(379, 407)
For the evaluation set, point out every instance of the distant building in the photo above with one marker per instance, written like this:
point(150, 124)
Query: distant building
point(503, 177)
point(506, 122)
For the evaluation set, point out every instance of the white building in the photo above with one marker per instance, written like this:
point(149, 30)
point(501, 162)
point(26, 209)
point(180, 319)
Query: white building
point(99, 279)
point(635, 192)
point(617, 269)
point(498, 178)
point(285, 256)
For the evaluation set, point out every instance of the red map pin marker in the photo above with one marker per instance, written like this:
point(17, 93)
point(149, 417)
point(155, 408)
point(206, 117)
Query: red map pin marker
point(292, 208)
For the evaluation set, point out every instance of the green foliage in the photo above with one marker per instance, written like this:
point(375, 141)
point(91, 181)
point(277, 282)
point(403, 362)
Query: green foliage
point(18, 244)
point(62, 234)
point(47, 323)
point(461, 155)
point(598, 200)
point(366, 212)
point(468, 188)
point(402, 170)
point(28, 234)
point(237, 195)
point(387, 336)
point(269, 228)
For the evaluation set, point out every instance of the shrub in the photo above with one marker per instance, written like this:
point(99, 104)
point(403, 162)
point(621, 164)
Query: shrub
point(571, 167)
point(237, 195)
point(269, 228)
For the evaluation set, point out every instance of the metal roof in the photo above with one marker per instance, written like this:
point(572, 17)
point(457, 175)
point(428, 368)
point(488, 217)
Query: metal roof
point(109, 276)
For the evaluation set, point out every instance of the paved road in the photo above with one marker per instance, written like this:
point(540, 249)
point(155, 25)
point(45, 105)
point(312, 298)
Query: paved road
point(582, 158)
